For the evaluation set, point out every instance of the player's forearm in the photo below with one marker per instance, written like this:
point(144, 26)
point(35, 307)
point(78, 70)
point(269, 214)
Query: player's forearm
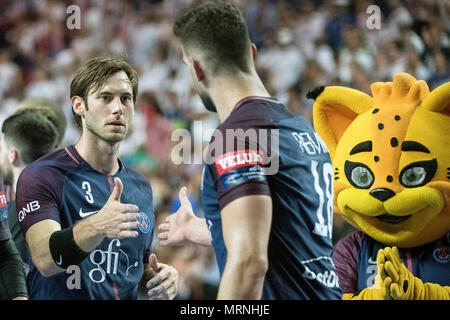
point(197, 232)
point(243, 279)
point(88, 234)
point(38, 237)
point(53, 249)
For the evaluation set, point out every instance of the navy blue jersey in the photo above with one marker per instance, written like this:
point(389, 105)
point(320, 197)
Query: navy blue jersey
point(16, 231)
point(280, 155)
point(355, 258)
point(63, 187)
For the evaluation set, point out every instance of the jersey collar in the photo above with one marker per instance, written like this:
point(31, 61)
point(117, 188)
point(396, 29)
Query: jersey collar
point(251, 98)
point(73, 153)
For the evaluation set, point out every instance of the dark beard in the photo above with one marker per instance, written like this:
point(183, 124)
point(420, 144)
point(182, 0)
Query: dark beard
point(207, 102)
point(111, 141)
point(7, 176)
point(106, 139)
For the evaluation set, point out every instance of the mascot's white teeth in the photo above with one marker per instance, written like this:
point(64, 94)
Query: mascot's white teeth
point(389, 218)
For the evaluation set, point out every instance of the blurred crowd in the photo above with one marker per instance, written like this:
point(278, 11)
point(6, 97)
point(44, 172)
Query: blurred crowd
point(301, 44)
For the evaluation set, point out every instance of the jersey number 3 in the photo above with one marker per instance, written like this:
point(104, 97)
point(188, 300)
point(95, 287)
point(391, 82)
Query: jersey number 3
point(324, 213)
point(87, 187)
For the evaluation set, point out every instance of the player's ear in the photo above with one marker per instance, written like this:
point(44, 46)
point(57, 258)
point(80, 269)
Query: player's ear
point(78, 105)
point(334, 110)
point(13, 156)
point(254, 51)
point(198, 70)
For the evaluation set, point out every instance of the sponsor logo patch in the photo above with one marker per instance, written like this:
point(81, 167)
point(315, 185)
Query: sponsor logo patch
point(144, 222)
point(238, 159)
point(3, 202)
point(241, 175)
point(31, 206)
point(4, 215)
point(86, 214)
point(3, 207)
point(442, 254)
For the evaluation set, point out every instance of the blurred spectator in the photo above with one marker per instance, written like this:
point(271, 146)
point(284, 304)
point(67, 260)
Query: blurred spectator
point(441, 71)
point(339, 16)
point(42, 85)
point(309, 28)
point(9, 71)
point(353, 51)
point(283, 60)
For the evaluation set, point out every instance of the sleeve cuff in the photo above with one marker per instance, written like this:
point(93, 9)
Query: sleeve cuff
point(247, 189)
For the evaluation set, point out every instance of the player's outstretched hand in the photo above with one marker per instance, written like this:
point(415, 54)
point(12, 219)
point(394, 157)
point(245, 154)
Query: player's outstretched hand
point(164, 285)
point(174, 229)
point(117, 220)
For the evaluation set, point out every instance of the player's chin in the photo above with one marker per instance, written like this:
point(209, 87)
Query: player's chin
point(114, 137)
point(116, 132)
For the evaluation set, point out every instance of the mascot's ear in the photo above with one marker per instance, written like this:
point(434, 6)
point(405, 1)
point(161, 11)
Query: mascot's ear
point(438, 100)
point(335, 109)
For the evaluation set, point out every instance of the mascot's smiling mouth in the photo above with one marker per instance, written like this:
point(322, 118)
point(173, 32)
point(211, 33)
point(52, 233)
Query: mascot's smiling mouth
point(389, 218)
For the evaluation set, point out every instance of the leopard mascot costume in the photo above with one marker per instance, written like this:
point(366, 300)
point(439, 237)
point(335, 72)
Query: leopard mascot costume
point(391, 159)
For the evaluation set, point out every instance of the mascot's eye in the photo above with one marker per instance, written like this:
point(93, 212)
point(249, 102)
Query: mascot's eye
point(413, 177)
point(358, 174)
point(361, 177)
point(418, 173)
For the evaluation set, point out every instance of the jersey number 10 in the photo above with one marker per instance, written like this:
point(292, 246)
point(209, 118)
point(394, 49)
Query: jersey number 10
point(324, 213)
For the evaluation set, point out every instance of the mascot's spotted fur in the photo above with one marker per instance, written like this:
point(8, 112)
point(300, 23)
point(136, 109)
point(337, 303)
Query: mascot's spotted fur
point(391, 156)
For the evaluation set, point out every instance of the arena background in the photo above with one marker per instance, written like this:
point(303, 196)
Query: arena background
point(301, 44)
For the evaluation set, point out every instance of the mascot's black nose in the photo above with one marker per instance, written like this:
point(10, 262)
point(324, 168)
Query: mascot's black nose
point(382, 194)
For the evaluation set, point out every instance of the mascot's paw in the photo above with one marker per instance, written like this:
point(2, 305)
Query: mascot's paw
point(399, 293)
point(402, 284)
point(381, 288)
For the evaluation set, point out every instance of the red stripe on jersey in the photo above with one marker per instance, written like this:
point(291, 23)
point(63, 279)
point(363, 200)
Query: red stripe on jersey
point(72, 156)
point(111, 183)
point(116, 291)
point(409, 260)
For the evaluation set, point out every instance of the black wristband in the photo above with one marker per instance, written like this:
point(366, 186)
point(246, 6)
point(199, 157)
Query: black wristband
point(65, 252)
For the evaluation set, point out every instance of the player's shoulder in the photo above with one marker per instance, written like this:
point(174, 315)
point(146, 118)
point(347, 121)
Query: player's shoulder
point(256, 112)
point(351, 243)
point(47, 173)
point(50, 166)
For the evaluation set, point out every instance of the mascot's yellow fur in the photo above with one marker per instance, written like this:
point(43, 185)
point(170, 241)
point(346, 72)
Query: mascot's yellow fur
point(391, 156)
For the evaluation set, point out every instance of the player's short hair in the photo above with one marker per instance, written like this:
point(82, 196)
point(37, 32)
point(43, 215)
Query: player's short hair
point(50, 109)
point(95, 73)
point(219, 31)
point(30, 132)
